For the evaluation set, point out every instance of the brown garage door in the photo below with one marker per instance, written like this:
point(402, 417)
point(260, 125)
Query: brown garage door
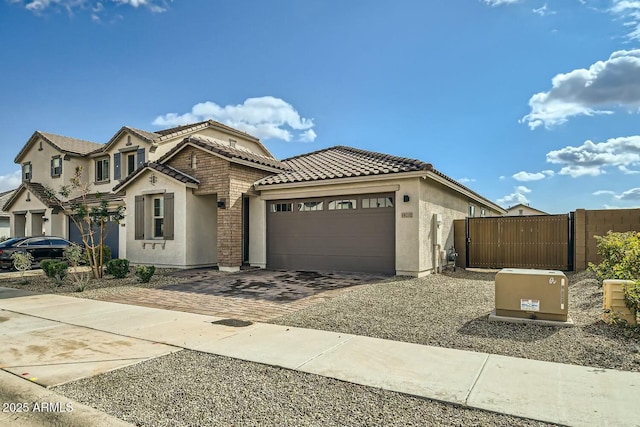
point(343, 233)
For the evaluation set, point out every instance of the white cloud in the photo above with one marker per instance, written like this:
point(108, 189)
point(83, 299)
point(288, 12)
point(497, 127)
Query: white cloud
point(530, 176)
point(605, 86)
point(518, 196)
point(632, 194)
point(591, 158)
point(544, 10)
point(466, 180)
point(627, 171)
point(494, 3)
point(603, 192)
point(95, 8)
point(629, 12)
point(10, 181)
point(265, 117)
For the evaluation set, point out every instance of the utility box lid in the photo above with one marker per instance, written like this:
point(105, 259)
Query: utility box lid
point(532, 294)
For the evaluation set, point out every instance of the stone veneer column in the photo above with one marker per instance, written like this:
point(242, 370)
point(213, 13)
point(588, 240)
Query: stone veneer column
point(230, 231)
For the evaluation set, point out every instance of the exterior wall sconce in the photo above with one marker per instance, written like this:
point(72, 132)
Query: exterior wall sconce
point(405, 198)
point(221, 203)
point(45, 219)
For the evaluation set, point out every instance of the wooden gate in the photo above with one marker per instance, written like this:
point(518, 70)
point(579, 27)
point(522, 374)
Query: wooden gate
point(541, 242)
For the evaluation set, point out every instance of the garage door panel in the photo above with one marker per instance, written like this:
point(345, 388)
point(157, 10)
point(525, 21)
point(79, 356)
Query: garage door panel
point(347, 240)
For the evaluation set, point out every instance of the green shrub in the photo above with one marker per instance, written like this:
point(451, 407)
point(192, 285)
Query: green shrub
point(145, 272)
point(106, 254)
point(44, 265)
point(118, 268)
point(620, 256)
point(621, 260)
point(57, 270)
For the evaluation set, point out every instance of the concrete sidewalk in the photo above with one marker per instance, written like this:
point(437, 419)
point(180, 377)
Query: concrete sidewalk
point(551, 392)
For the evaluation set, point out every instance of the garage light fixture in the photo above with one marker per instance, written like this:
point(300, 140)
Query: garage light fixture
point(405, 198)
point(221, 203)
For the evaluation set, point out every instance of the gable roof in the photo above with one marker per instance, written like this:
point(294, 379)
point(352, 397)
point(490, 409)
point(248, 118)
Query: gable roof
point(160, 136)
point(37, 190)
point(163, 169)
point(522, 205)
point(230, 153)
point(342, 162)
point(63, 144)
point(4, 198)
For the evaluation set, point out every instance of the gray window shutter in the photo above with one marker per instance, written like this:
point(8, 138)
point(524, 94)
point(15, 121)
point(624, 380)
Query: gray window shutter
point(52, 174)
point(116, 166)
point(168, 216)
point(139, 218)
point(140, 157)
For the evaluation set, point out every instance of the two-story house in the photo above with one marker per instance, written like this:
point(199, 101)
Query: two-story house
point(209, 195)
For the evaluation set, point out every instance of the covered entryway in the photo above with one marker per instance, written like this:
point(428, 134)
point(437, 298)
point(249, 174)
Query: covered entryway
point(112, 236)
point(340, 233)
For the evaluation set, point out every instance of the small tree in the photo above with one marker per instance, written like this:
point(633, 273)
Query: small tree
point(90, 218)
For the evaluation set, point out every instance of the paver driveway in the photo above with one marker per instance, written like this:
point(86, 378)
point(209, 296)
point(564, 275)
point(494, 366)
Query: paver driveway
point(256, 295)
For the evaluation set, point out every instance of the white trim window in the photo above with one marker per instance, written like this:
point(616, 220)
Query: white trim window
point(158, 217)
point(102, 170)
point(26, 171)
point(56, 166)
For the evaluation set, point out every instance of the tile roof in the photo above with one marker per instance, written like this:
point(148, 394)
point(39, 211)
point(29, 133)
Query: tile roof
point(70, 145)
point(163, 169)
point(146, 135)
point(4, 198)
point(63, 144)
point(95, 198)
point(225, 150)
point(37, 190)
point(342, 162)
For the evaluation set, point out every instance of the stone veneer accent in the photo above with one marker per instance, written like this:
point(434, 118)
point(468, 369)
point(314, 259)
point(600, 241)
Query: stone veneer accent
point(229, 181)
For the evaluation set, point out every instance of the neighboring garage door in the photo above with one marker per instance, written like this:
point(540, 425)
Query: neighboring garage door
point(112, 238)
point(344, 233)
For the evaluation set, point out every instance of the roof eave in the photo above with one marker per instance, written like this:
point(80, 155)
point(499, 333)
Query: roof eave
point(436, 176)
point(341, 180)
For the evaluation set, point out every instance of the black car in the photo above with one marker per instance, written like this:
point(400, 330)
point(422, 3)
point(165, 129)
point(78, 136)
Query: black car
point(41, 247)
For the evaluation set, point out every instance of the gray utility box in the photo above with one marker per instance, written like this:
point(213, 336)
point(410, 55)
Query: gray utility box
point(532, 294)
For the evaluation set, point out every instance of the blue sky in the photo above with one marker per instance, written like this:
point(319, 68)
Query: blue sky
point(524, 101)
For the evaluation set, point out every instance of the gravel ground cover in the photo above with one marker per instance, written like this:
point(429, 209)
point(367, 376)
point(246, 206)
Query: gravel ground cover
point(88, 287)
point(451, 310)
point(189, 388)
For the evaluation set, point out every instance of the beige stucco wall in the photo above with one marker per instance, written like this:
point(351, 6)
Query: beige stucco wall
point(407, 236)
point(415, 229)
point(257, 232)
point(194, 231)
point(201, 231)
point(41, 165)
point(221, 137)
point(120, 145)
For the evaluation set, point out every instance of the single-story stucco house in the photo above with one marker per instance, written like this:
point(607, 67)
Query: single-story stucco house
point(206, 194)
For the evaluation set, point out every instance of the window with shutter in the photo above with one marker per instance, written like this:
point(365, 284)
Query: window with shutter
point(139, 218)
point(116, 166)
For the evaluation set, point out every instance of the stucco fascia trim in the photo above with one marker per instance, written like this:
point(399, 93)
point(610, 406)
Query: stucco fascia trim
point(337, 181)
point(465, 192)
point(392, 188)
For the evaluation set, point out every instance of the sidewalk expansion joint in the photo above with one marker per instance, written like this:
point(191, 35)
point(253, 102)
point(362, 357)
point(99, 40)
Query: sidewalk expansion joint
point(475, 380)
point(324, 352)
